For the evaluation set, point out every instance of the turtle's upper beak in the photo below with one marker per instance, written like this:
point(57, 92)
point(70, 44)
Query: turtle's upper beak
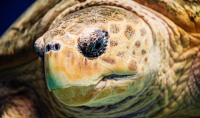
point(66, 67)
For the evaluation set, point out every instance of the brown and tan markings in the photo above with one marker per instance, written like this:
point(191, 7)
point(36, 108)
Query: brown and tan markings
point(114, 28)
point(143, 51)
point(137, 44)
point(133, 65)
point(145, 59)
point(129, 32)
point(113, 43)
point(134, 52)
point(109, 60)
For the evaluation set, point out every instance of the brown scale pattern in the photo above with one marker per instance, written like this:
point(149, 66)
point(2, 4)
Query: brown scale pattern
point(137, 44)
point(129, 32)
point(113, 43)
point(114, 28)
point(109, 60)
point(143, 52)
point(134, 52)
point(133, 65)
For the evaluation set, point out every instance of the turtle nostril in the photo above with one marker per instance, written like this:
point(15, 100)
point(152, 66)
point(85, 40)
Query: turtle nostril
point(56, 47)
point(48, 48)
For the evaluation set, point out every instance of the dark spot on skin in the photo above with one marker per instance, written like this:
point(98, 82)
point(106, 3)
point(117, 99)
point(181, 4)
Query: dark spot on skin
point(114, 28)
point(146, 59)
point(137, 44)
point(143, 52)
point(109, 60)
point(129, 32)
point(120, 54)
point(113, 43)
point(133, 52)
point(143, 31)
point(85, 62)
point(133, 65)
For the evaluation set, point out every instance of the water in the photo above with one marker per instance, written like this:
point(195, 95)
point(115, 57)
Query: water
point(10, 10)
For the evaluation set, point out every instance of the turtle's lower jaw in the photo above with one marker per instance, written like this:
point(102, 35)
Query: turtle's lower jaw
point(92, 95)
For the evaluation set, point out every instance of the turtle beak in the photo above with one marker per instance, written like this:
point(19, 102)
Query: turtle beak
point(39, 47)
point(66, 67)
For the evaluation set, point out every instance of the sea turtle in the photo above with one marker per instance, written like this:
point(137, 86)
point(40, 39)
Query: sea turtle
point(102, 58)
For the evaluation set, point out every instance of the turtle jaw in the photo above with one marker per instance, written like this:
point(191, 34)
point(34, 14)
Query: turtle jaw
point(92, 94)
point(76, 80)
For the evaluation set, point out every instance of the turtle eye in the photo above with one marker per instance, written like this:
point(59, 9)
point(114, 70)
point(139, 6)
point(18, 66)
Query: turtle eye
point(97, 46)
point(94, 44)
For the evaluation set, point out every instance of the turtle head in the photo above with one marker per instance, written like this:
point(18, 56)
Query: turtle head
point(91, 56)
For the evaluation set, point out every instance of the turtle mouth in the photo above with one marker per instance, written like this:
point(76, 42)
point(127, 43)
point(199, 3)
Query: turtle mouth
point(116, 77)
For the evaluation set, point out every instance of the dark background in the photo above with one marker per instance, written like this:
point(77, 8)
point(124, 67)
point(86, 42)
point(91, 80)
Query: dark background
point(10, 10)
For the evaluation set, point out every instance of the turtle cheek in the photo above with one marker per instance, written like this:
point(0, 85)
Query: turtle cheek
point(67, 67)
point(69, 72)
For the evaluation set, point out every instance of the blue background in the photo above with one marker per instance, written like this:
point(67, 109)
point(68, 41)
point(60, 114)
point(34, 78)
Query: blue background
point(10, 10)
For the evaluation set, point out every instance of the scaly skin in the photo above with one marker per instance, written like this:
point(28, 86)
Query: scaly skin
point(174, 93)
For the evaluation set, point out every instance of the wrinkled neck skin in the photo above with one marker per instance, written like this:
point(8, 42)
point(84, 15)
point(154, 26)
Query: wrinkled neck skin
point(173, 85)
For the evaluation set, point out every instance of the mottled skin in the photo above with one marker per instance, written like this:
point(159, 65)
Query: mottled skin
point(165, 54)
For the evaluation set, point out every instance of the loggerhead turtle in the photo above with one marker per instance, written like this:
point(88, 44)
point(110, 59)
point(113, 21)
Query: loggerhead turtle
point(102, 58)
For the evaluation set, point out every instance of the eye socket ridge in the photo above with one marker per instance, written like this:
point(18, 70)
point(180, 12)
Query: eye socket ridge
point(94, 44)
